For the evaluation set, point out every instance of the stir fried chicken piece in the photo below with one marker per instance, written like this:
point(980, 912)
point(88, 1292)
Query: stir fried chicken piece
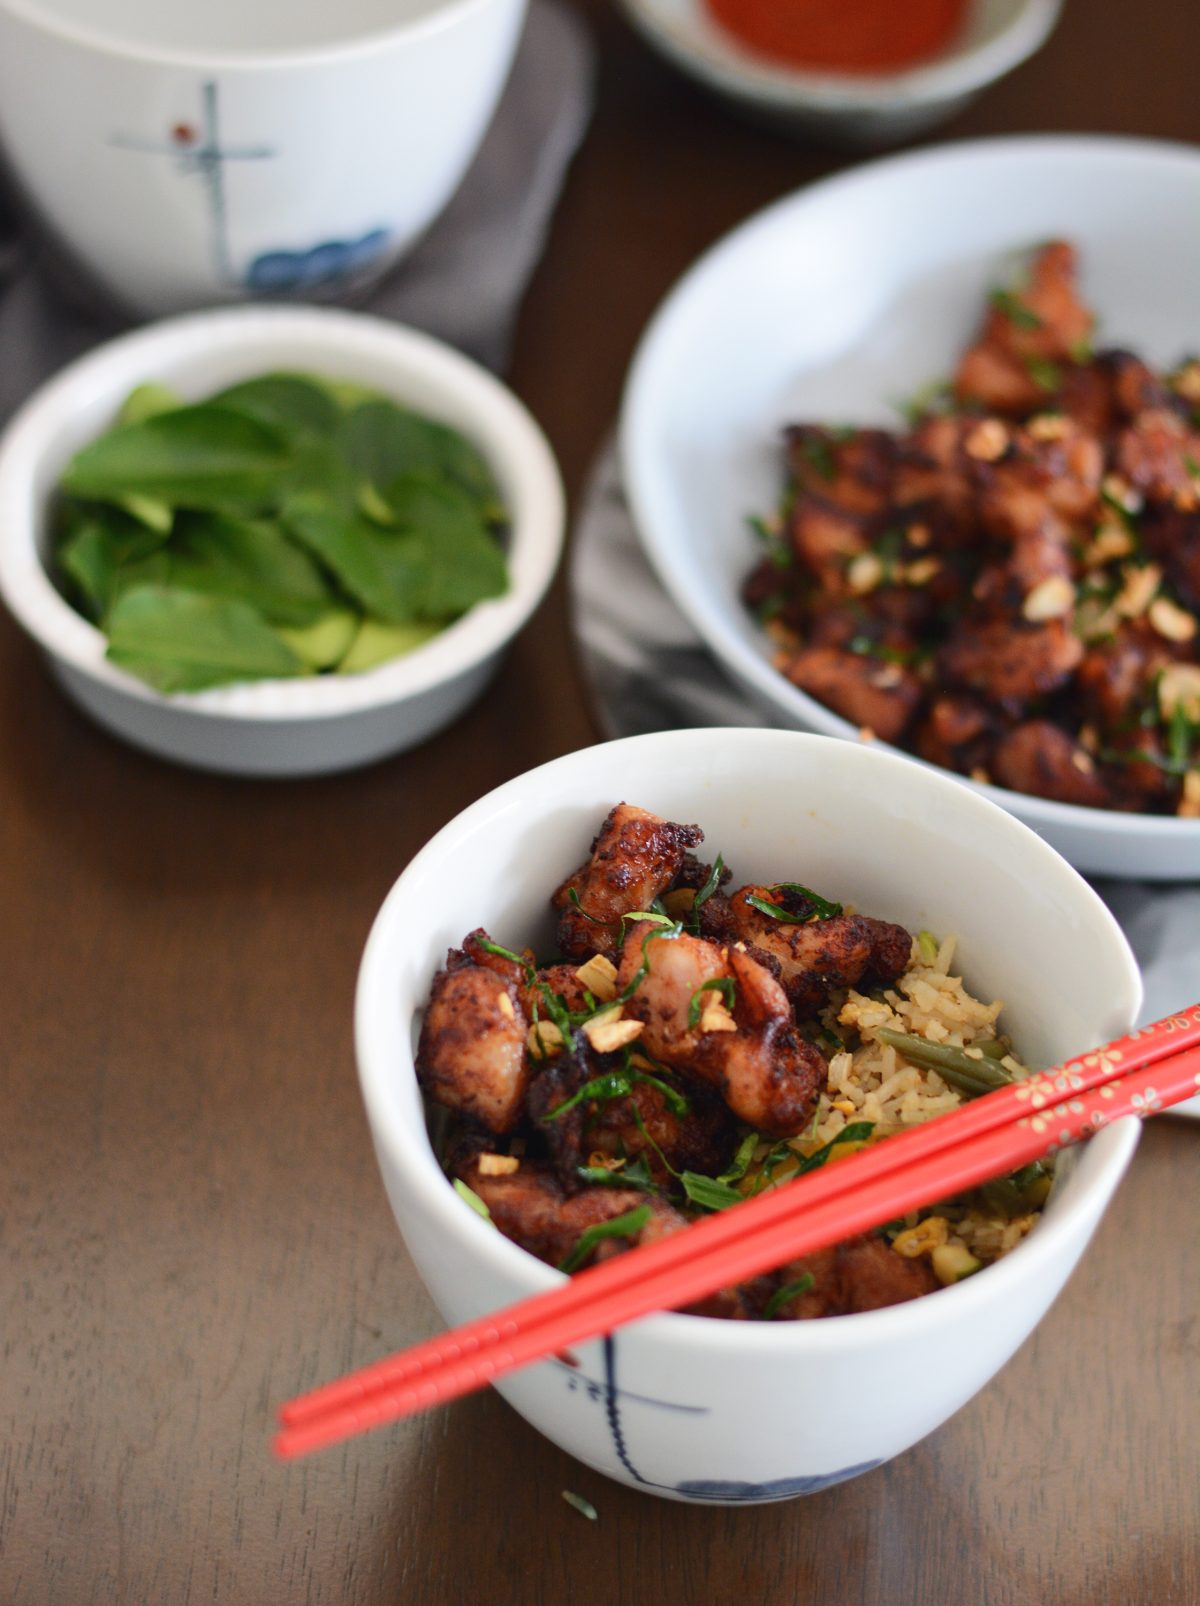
point(1027, 335)
point(644, 1124)
point(765, 1072)
point(1033, 478)
point(1172, 537)
point(1041, 759)
point(819, 955)
point(854, 471)
point(634, 858)
point(825, 538)
point(1159, 457)
point(1115, 675)
point(880, 697)
point(1011, 661)
point(861, 1274)
point(471, 1053)
point(529, 1206)
point(957, 733)
point(935, 473)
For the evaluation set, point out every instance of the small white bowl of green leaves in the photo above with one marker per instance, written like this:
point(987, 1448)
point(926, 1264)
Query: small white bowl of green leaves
point(273, 540)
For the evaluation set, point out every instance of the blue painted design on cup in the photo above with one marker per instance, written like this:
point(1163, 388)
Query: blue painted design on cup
point(328, 262)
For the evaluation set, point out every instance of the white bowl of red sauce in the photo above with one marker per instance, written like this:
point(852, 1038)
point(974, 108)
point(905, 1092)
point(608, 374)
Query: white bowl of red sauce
point(860, 72)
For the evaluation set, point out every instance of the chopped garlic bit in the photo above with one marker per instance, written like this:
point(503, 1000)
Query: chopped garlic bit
point(1186, 382)
point(609, 1031)
point(1179, 687)
point(716, 1018)
point(865, 573)
point(987, 441)
point(1051, 598)
point(922, 571)
point(1189, 803)
point(1112, 540)
point(505, 1005)
point(544, 1040)
point(1119, 490)
point(1083, 762)
point(498, 1165)
point(887, 677)
point(1049, 427)
point(1138, 589)
point(1170, 621)
point(599, 976)
point(919, 536)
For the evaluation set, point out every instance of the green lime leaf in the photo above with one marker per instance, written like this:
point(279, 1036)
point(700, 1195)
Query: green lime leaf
point(199, 457)
point(465, 563)
point(182, 641)
point(388, 573)
point(289, 403)
point(251, 560)
point(383, 442)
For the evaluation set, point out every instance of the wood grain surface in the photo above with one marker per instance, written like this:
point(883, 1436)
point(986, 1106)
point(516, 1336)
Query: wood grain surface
point(192, 1222)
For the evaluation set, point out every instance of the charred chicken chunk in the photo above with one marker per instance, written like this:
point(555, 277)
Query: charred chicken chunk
point(634, 858)
point(748, 1049)
point(471, 1053)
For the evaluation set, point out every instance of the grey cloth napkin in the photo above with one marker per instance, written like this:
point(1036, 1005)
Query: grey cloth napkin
point(463, 282)
point(648, 670)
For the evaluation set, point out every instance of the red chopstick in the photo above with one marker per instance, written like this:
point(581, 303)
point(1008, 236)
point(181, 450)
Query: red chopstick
point(997, 1133)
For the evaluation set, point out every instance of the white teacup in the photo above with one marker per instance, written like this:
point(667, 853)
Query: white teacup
point(186, 154)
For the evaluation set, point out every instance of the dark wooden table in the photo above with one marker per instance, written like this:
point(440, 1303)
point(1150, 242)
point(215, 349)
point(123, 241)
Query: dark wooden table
point(193, 1226)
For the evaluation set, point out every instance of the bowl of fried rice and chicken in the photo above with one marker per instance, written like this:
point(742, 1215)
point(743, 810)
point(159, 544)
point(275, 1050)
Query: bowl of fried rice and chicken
point(584, 1021)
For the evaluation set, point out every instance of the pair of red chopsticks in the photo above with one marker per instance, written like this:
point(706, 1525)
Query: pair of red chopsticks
point(998, 1133)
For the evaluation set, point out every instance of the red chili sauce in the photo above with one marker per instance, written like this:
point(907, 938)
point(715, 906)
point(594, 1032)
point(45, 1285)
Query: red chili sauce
point(844, 36)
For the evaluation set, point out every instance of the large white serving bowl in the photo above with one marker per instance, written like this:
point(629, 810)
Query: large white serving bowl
point(685, 1406)
point(186, 154)
point(867, 109)
point(278, 727)
point(842, 300)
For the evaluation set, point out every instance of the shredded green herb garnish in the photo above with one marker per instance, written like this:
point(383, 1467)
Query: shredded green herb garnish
point(573, 898)
point(1046, 375)
point(819, 454)
point(818, 908)
point(934, 396)
point(852, 1132)
point(725, 985)
point(490, 947)
point(784, 1296)
point(617, 1085)
point(624, 1226)
point(1014, 309)
point(585, 1508)
point(706, 892)
point(738, 1166)
point(472, 1198)
point(708, 1192)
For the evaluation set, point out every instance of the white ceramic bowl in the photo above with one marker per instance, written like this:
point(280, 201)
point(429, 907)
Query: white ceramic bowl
point(694, 1408)
point(187, 154)
point(842, 300)
point(278, 727)
point(861, 110)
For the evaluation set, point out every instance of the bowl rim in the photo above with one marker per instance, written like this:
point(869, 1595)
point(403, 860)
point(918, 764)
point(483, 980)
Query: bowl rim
point(383, 1050)
point(721, 63)
point(447, 14)
point(507, 433)
point(712, 624)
